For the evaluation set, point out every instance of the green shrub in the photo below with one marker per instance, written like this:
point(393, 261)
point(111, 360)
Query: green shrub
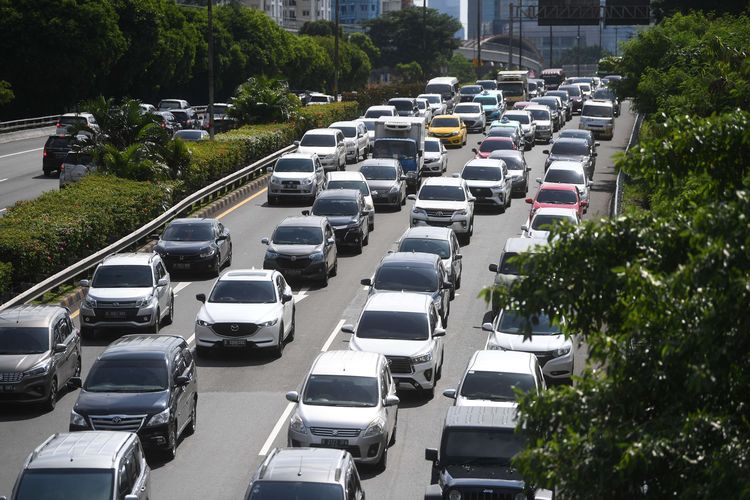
point(42, 236)
point(6, 279)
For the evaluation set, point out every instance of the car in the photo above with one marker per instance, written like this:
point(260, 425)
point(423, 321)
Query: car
point(316, 98)
point(518, 169)
point(77, 164)
point(526, 121)
point(425, 111)
point(508, 268)
point(186, 117)
point(369, 124)
point(146, 108)
point(107, 465)
point(576, 96)
point(404, 327)
point(417, 272)
point(492, 104)
point(444, 202)
point(553, 77)
point(246, 308)
point(472, 115)
point(566, 100)
point(191, 135)
point(556, 108)
point(354, 180)
point(437, 105)
point(467, 92)
point(435, 157)
point(512, 132)
point(222, 119)
point(511, 331)
point(192, 244)
point(386, 180)
point(572, 149)
point(296, 175)
point(447, 87)
point(378, 111)
point(348, 401)
point(40, 351)
point(347, 212)
point(55, 149)
point(441, 241)
point(405, 106)
point(586, 89)
point(356, 140)
point(127, 291)
point(598, 116)
point(520, 105)
point(170, 104)
point(306, 473)
point(166, 120)
point(493, 143)
point(492, 377)
point(588, 80)
point(488, 182)
point(147, 384)
point(477, 447)
point(543, 220)
point(587, 135)
point(77, 123)
point(328, 144)
point(554, 194)
point(450, 129)
point(543, 120)
point(505, 123)
point(568, 172)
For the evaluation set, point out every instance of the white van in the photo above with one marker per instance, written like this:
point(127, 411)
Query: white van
point(447, 86)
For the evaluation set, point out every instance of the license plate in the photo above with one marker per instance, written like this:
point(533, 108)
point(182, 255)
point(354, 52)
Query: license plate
point(293, 272)
point(335, 443)
point(181, 266)
point(115, 314)
point(235, 343)
point(8, 388)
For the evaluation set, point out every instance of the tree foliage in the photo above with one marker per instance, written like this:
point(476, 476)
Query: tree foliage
point(320, 27)
point(461, 68)
point(6, 93)
point(263, 100)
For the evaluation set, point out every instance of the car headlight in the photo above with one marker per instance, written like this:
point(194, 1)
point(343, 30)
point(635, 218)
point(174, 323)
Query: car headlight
point(297, 425)
point(317, 256)
point(207, 253)
point(424, 358)
point(160, 418)
point(376, 428)
point(275, 180)
point(270, 254)
point(40, 369)
point(201, 322)
point(89, 303)
point(270, 322)
point(454, 495)
point(418, 211)
point(78, 420)
point(394, 189)
point(307, 182)
point(143, 301)
point(561, 351)
point(520, 496)
point(460, 212)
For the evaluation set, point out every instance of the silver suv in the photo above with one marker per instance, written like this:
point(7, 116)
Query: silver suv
point(92, 464)
point(128, 291)
point(349, 402)
point(317, 473)
point(296, 175)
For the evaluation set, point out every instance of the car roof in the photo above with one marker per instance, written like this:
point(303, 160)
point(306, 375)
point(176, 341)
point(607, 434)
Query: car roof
point(322, 131)
point(413, 259)
point(507, 153)
point(247, 275)
point(192, 220)
point(131, 258)
point(399, 302)
point(485, 162)
point(146, 346)
point(557, 186)
point(447, 116)
point(443, 181)
point(29, 315)
point(565, 165)
point(567, 212)
point(340, 193)
point(481, 416)
point(401, 99)
point(304, 220)
point(423, 232)
point(542, 107)
point(346, 175)
point(79, 450)
point(431, 139)
point(502, 361)
point(519, 244)
point(313, 465)
point(349, 123)
point(388, 162)
point(347, 363)
point(301, 156)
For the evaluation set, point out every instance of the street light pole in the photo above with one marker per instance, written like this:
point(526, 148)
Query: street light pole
point(520, 32)
point(578, 52)
point(210, 69)
point(479, 39)
point(510, 36)
point(336, 55)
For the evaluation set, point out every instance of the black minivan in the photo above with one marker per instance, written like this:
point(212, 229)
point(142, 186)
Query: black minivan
point(55, 149)
point(145, 384)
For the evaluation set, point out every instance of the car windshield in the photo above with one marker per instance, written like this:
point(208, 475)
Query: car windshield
point(318, 140)
point(495, 386)
point(572, 90)
point(292, 235)
point(470, 89)
point(128, 375)
point(23, 340)
point(295, 490)
point(188, 232)
point(520, 118)
point(511, 88)
point(123, 277)
point(370, 125)
point(576, 134)
point(509, 264)
point(378, 172)
point(395, 325)
point(557, 197)
point(501, 132)
point(190, 135)
point(342, 184)
point(513, 323)
point(401, 105)
point(486, 100)
point(57, 141)
point(467, 108)
point(484, 445)
point(444, 122)
point(432, 99)
point(477, 173)
point(439, 88)
point(539, 114)
point(337, 390)
point(585, 88)
point(347, 131)
point(333, 207)
point(564, 176)
point(489, 146)
point(432, 146)
point(570, 148)
point(544, 222)
point(169, 105)
point(597, 111)
point(293, 165)
point(532, 86)
point(73, 120)
point(406, 278)
point(552, 79)
point(512, 162)
point(377, 113)
point(550, 102)
point(319, 98)
point(426, 245)
point(243, 292)
point(394, 149)
point(442, 193)
point(53, 484)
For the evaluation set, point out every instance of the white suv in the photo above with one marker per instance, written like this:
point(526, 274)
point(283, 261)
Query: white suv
point(356, 140)
point(598, 116)
point(406, 329)
point(444, 202)
point(296, 175)
point(328, 144)
point(130, 290)
point(488, 182)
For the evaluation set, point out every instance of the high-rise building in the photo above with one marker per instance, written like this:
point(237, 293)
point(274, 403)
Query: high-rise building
point(390, 6)
point(453, 8)
point(293, 13)
point(358, 11)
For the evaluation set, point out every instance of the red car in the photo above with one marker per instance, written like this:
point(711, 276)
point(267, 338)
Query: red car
point(490, 144)
point(554, 195)
point(521, 105)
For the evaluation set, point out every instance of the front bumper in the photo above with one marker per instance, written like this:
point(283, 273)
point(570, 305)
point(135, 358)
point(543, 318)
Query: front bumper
point(329, 163)
point(419, 376)
point(543, 134)
point(389, 198)
point(189, 262)
point(154, 437)
point(433, 167)
point(475, 126)
point(301, 267)
point(27, 390)
point(249, 335)
point(124, 318)
point(365, 450)
point(291, 189)
point(493, 197)
point(449, 140)
point(459, 224)
point(349, 236)
point(598, 128)
point(558, 368)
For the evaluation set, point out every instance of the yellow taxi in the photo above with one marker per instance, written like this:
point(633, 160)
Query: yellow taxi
point(450, 129)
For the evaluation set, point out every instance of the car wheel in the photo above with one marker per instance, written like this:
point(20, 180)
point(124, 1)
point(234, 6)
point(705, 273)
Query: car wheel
point(278, 350)
point(51, 401)
point(170, 317)
point(290, 335)
point(358, 248)
point(439, 372)
point(190, 429)
point(76, 372)
point(444, 318)
point(171, 452)
point(216, 268)
point(271, 201)
point(228, 263)
point(392, 441)
point(324, 279)
point(157, 323)
point(458, 282)
point(335, 268)
point(371, 224)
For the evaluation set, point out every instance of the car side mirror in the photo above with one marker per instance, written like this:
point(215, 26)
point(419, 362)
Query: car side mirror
point(296, 143)
point(472, 198)
point(450, 393)
point(456, 175)
point(75, 382)
point(447, 285)
point(286, 297)
point(162, 282)
point(474, 150)
point(200, 297)
point(545, 151)
point(529, 200)
point(181, 380)
point(595, 154)
point(305, 213)
point(596, 144)
point(493, 268)
point(458, 256)
point(264, 241)
point(431, 454)
point(439, 332)
point(528, 169)
point(391, 400)
point(331, 241)
point(373, 193)
point(59, 348)
point(487, 327)
point(292, 396)
point(366, 281)
point(538, 180)
point(525, 227)
point(348, 328)
point(269, 170)
point(84, 283)
point(222, 237)
point(412, 197)
point(402, 177)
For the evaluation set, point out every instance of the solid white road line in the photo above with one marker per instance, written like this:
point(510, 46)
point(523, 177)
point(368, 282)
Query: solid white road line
point(190, 340)
point(299, 296)
point(181, 285)
point(276, 428)
point(20, 153)
point(3, 180)
point(331, 337)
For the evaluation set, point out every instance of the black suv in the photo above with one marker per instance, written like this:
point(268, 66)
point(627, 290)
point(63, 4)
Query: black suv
point(476, 448)
point(187, 118)
point(55, 149)
point(141, 383)
point(346, 212)
point(192, 244)
point(40, 351)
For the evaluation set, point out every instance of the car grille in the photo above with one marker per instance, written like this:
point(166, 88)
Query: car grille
point(10, 377)
point(334, 432)
point(116, 314)
point(481, 192)
point(293, 261)
point(400, 364)
point(177, 258)
point(447, 134)
point(235, 329)
point(432, 212)
point(116, 304)
point(485, 494)
point(544, 356)
point(290, 183)
point(128, 423)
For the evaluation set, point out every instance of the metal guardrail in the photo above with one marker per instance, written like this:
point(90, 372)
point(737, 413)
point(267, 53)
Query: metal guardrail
point(225, 184)
point(622, 176)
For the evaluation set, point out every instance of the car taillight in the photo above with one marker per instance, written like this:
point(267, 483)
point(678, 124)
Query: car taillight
point(44, 153)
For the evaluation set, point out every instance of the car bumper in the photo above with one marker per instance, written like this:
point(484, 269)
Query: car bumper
point(280, 191)
point(518, 185)
point(364, 450)
point(600, 129)
point(387, 199)
point(477, 126)
point(450, 140)
point(28, 390)
point(420, 376)
point(189, 262)
point(433, 167)
point(543, 134)
point(349, 236)
point(264, 336)
point(124, 318)
point(329, 163)
point(313, 270)
point(459, 226)
point(488, 197)
point(152, 437)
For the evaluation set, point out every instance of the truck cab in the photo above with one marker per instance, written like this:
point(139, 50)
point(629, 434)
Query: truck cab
point(514, 85)
point(402, 138)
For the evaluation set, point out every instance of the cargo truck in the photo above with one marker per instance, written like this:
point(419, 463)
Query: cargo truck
point(402, 138)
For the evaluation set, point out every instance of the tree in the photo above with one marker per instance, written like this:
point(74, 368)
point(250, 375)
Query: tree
point(364, 42)
point(461, 68)
point(6, 93)
point(320, 27)
point(354, 65)
point(261, 99)
point(665, 8)
point(309, 65)
point(400, 35)
point(411, 72)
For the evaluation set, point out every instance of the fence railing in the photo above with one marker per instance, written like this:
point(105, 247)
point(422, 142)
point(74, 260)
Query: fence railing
point(208, 193)
point(622, 176)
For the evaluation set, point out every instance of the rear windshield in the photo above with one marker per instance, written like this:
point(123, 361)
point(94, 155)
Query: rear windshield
point(341, 184)
point(553, 79)
point(570, 148)
point(481, 445)
point(597, 111)
point(511, 88)
point(23, 340)
point(243, 292)
point(477, 173)
point(563, 95)
point(439, 88)
point(501, 132)
point(520, 118)
point(128, 375)
point(347, 131)
point(290, 235)
point(564, 176)
point(432, 99)
point(318, 140)
point(52, 484)
point(57, 141)
point(512, 162)
point(486, 100)
point(377, 113)
point(444, 122)
point(395, 325)
point(471, 89)
point(333, 207)
point(552, 103)
point(539, 114)
point(489, 146)
point(406, 278)
point(297, 490)
point(378, 172)
point(180, 114)
point(557, 197)
point(488, 84)
point(402, 105)
point(73, 120)
point(123, 277)
point(188, 232)
point(293, 165)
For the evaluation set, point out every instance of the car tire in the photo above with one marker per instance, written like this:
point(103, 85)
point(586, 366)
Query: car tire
point(383, 462)
point(76, 373)
point(51, 402)
point(228, 262)
point(371, 225)
point(324, 279)
point(272, 201)
point(439, 372)
point(292, 330)
point(335, 268)
point(278, 349)
point(392, 441)
point(358, 247)
point(458, 282)
point(216, 268)
point(191, 426)
point(169, 318)
point(171, 452)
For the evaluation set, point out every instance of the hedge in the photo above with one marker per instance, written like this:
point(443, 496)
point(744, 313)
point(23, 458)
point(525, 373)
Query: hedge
point(6, 279)
point(42, 236)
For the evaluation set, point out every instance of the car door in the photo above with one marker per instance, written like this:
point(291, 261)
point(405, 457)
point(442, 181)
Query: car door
point(181, 391)
point(162, 291)
point(330, 248)
point(340, 147)
point(508, 182)
point(62, 360)
point(362, 138)
point(139, 472)
point(455, 250)
point(222, 240)
point(287, 308)
point(320, 175)
point(388, 388)
point(443, 157)
point(436, 341)
point(125, 481)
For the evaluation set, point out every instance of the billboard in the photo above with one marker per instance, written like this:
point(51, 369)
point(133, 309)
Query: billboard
point(627, 12)
point(568, 12)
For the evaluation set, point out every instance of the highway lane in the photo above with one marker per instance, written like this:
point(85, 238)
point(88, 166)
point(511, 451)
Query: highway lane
point(242, 396)
point(21, 176)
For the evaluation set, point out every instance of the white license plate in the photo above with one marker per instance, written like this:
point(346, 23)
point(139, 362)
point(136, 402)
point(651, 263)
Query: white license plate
point(181, 266)
point(235, 343)
point(115, 314)
point(335, 443)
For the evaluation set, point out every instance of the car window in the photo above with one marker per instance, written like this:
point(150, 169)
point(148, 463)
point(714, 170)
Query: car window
point(62, 330)
point(161, 272)
point(384, 385)
point(124, 481)
point(433, 318)
point(133, 465)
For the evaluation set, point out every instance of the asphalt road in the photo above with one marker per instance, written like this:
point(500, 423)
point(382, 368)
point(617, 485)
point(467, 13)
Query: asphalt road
point(21, 176)
point(242, 410)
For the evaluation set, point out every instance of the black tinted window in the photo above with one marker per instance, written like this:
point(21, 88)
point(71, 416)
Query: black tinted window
point(476, 173)
point(489, 146)
point(53, 484)
point(318, 140)
point(495, 386)
point(23, 340)
point(336, 390)
point(497, 446)
point(426, 245)
point(442, 193)
point(128, 375)
point(444, 122)
point(378, 172)
point(557, 197)
point(290, 235)
point(570, 148)
point(123, 277)
point(411, 279)
point(293, 165)
point(512, 322)
point(188, 232)
point(244, 292)
point(341, 184)
point(333, 207)
point(393, 325)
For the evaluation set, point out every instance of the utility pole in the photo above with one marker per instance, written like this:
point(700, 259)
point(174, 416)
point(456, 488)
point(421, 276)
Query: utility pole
point(336, 55)
point(550, 45)
point(479, 39)
point(510, 37)
point(520, 32)
point(210, 69)
point(424, 27)
point(578, 52)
